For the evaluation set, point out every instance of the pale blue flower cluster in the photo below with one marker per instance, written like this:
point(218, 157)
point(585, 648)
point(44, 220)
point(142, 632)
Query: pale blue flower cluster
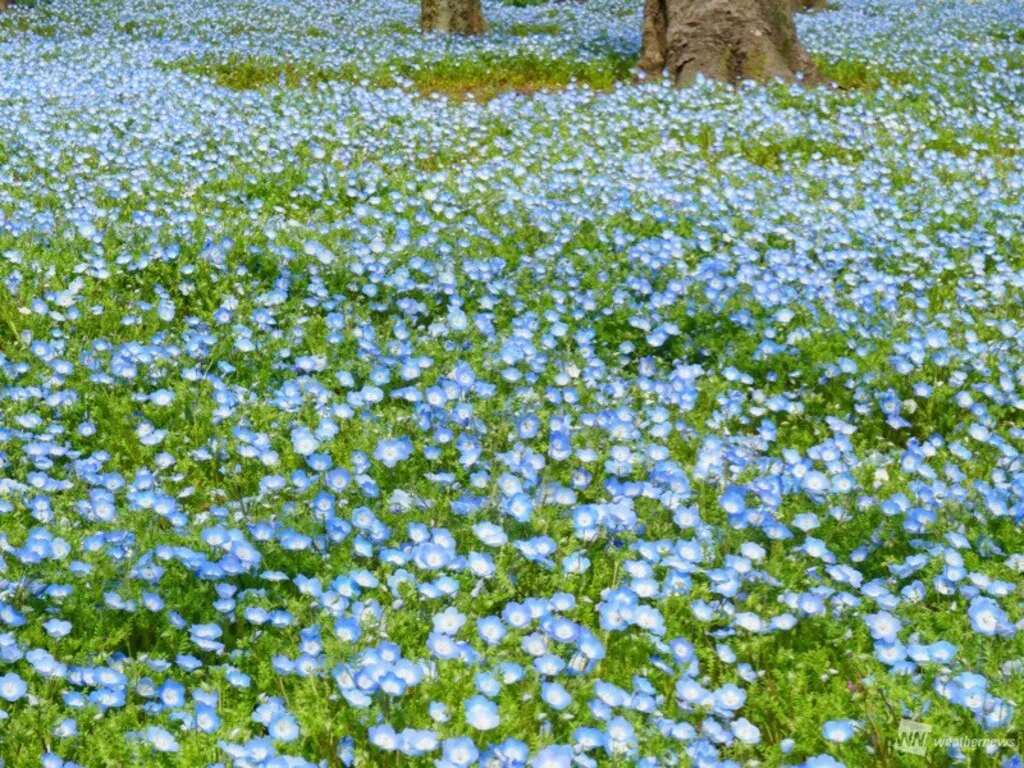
point(347, 424)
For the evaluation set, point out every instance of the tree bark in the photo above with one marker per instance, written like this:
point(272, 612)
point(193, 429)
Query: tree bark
point(727, 40)
point(463, 17)
point(4, 4)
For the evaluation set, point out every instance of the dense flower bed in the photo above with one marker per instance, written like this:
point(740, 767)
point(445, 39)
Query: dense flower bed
point(343, 422)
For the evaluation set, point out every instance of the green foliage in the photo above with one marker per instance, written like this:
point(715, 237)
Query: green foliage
point(483, 76)
point(1008, 35)
point(780, 151)
point(486, 76)
point(524, 29)
point(861, 74)
point(242, 73)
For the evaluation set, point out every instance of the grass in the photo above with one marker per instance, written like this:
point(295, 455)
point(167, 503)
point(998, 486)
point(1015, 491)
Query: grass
point(27, 25)
point(244, 73)
point(397, 28)
point(525, 29)
point(858, 74)
point(776, 152)
point(482, 77)
point(975, 142)
point(1012, 61)
point(488, 76)
point(1009, 35)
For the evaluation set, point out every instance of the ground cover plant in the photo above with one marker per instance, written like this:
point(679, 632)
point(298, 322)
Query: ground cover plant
point(376, 398)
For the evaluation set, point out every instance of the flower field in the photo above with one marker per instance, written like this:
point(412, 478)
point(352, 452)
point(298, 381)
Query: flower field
point(373, 398)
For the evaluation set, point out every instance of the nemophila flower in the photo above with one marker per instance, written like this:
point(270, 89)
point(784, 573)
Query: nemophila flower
point(432, 556)
point(576, 563)
point(987, 618)
point(692, 693)
point(481, 713)
point(941, 652)
point(415, 742)
point(890, 654)
point(57, 628)
point(745, 731)
point(510, 673)
point(822, 761)
point(383, 737)
point(449, 622)
point(587, 739)
point(528, 427)
point(806, 521)
point(815, 482)
point(283, 728)
point(460, 752)
point(259, 750)
point(883, 626)
point(161, 397)
point(555, 696)
point(172, 694)
point(12, 687)
point(729, 697)
point(487, 685)
point(967, 690)
point(491, 630)
point(838, 731)
point(346, 751)
point(621, 736)
point(66, 728)
point(555, 756)
point(161, 739)
point(206, 718)
point(304, 441)
point(998, 714)
point(392, 451)
point(442, 646)
point(490, 534)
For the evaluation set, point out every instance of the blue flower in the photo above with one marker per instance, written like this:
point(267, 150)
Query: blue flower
point(383, 737)
point(822, 761)
point(460, 752)
point(12, 687)
point(161, 739)
point(555, 696)
point(883, 625)
point(730, 697)
point(555, 756)
point(838, 731)
point(392, 451)
point(987, 618)
point(481, 713)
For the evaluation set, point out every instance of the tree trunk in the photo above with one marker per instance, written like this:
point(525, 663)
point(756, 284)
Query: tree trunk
point(4, 4)
point(463, 17)
point(727, 40)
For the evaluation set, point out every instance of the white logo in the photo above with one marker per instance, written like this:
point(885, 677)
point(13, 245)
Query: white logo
point(913, 737)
